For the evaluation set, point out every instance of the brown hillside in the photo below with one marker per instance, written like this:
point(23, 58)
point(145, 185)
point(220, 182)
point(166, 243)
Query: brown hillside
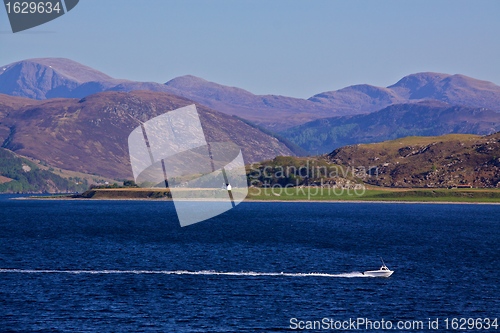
point(90, 135)
point(450, 160)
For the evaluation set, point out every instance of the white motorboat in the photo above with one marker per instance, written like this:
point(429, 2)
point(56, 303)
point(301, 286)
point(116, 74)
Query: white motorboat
point(383, 271)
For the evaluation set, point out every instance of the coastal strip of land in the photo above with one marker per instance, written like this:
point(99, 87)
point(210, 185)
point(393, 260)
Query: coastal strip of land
point(304, 194)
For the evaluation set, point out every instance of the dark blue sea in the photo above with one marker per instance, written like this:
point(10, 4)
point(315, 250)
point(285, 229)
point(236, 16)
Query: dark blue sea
point(127, 266)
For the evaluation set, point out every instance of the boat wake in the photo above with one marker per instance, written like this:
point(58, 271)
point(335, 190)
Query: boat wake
point(180, 272)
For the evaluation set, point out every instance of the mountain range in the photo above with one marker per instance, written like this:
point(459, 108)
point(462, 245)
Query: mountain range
point(74, 117)
point(56, 77)
point(452, 89)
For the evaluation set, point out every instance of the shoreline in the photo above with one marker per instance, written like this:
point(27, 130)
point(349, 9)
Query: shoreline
point(371, 195)
point(386, 201)
point(271, 200)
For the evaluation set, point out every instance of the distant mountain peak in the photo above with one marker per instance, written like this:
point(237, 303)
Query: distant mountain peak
point(66, 67)
point(186, 79)
point(42, 78)
point(194, 82)
point(454, 89)
point(417, 80)
point(360, 98)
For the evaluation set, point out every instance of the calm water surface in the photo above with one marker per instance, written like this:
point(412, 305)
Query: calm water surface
point(127, 266)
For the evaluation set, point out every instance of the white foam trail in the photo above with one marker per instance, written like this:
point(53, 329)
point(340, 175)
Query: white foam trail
point(180, 272)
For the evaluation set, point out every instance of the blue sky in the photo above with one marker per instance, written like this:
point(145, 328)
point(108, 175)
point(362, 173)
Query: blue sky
point(287, 47)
